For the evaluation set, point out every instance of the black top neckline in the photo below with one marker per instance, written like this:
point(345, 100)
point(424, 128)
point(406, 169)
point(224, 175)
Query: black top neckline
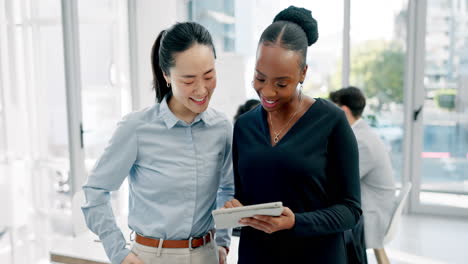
point(266, 128)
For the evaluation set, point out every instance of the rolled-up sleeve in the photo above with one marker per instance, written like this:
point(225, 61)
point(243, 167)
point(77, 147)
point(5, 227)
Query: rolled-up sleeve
point(107, 175)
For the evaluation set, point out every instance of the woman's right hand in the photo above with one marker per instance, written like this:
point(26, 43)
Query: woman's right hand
point(233, 203)
point(132, 259)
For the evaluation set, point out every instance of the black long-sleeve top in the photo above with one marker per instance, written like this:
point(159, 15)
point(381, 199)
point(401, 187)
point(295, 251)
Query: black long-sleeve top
point(313, 170)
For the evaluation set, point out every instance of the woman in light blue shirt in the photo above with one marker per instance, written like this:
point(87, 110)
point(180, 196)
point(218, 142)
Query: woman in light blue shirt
point(177, 156)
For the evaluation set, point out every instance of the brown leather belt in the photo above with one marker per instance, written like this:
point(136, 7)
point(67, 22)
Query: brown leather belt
point(196, 242)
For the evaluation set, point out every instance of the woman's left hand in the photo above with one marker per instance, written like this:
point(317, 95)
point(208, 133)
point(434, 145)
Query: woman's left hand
point(222, 251)
point(271, 224)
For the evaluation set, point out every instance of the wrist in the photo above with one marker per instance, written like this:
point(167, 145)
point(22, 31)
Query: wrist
point(293, 222)
point(226, 248)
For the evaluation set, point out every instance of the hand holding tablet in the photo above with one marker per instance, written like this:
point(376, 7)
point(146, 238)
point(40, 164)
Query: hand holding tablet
point(230, 217)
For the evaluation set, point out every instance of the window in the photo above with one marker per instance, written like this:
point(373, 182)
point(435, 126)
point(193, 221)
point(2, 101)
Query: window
point(444, 166)
point(3, 63)
point(105, 91)
point(377, 67)
point(324, 58)
point(219, 18)
point(49, 71)
point(2, 128)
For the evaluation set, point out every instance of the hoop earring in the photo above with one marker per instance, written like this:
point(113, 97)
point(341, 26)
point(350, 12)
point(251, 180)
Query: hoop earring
point(168, 85)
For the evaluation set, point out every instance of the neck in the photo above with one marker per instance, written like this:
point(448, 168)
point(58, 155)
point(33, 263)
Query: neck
point(180, 111)
point(352, 120)
point(288, 109)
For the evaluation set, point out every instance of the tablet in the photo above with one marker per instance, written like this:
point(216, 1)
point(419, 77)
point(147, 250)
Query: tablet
point(230, 217)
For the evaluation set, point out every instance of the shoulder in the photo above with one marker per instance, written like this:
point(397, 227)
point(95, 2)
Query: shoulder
point(250, 117)
point(215, 115)
point(132, 121)
point(365, 134)
point(138, 117)
point(369, 141)
point(367, 137)
point(329, 108)
point(330, 115)
point(219, 122)
point(217, 118)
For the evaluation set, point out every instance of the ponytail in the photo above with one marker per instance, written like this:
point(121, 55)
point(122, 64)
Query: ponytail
point(159, 82)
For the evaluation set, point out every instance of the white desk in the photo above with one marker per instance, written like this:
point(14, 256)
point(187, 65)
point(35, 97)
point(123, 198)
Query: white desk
point(82, 249)
point(78, 250)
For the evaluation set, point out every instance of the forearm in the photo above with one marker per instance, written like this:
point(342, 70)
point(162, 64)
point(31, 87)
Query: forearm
point(101, 221)
point(334, 219)
point(223, 236)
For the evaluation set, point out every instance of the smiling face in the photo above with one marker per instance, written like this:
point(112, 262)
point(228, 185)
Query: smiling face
point(193, 79)
point(277, 74)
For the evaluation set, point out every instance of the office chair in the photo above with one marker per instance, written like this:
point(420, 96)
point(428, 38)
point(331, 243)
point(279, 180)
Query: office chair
point(394, 224)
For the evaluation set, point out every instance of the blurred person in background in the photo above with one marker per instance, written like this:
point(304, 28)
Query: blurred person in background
point(247, 106)
point(377, 181)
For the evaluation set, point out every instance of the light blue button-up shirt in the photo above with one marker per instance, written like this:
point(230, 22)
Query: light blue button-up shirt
point(178, 173)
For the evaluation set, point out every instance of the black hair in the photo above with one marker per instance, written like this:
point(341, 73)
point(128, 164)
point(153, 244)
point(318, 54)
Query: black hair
point(294, 29)
point(351, 97)
point(247, 106)
point(178, 38)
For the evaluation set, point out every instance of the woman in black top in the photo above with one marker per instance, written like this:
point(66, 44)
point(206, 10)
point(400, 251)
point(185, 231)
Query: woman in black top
point(297, 150)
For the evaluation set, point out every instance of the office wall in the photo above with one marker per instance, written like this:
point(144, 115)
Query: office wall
point(150, 17)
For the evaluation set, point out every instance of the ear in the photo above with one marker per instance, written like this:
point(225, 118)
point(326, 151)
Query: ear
point(167, 78)
point(304, 72)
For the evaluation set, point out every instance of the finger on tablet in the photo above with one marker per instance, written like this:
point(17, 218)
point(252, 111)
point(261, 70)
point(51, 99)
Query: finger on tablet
point(236, 203)
point(228, 204)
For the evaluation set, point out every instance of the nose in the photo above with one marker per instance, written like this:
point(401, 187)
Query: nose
point(268, 91)
point(201, 89)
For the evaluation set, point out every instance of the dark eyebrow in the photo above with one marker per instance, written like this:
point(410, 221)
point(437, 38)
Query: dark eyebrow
point(211, 70)
point(277, 78)
point(193, 76)
point(259, 72)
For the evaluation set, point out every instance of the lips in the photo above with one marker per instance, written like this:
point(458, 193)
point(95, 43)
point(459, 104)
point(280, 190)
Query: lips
point(199, 101)
point(269, 103)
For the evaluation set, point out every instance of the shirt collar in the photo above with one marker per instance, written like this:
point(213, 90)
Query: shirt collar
point(171, 120)
point(207, 117)
point(356, 123)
